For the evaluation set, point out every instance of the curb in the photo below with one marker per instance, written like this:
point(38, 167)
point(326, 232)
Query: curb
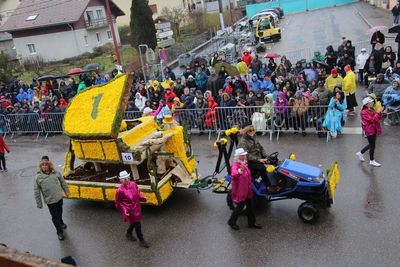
point(363, 17)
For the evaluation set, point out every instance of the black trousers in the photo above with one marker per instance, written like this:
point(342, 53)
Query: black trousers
point(56, 210)
point(259, 169)
point(370, 146)
point(2, 162)
point(138, 230)
point(251, 217)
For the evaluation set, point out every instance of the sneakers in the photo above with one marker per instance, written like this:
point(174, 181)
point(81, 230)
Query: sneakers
point(130, 237)
point(60, 236)
point(360, 156)
point(144, 244)
point(374, 163)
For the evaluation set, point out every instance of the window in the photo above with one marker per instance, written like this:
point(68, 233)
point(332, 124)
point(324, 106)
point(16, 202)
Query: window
point(31, 48)
point(109, 35)
point(31, 17)
point(99, 14)
point(86, 40)
point(98, 37)
point(89, 15)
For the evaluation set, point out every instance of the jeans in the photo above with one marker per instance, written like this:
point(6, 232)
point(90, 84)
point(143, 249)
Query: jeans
point(370, 146)
point(2, 162)
point(56, 210)
point(251, 218)
point(138, 230)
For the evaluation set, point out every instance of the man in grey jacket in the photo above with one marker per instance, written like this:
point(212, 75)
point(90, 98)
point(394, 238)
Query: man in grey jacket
point(378, 86)
point(49, 184)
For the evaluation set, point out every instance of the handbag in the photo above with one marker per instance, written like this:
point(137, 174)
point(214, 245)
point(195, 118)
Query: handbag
point(386, 64)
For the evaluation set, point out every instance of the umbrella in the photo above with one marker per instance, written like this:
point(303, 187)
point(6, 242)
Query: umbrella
point(61, 76)
point(198, 60)
point(231, 70)
point(376, 28)
point(322, 63)
point(46, 78)
point(74, 71)
point(91, 67)
point(395, 29)
point(271, 55)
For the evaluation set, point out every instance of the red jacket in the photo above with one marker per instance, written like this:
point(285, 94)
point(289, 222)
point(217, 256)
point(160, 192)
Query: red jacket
point(370, 121)
point(247, 59)
point(169, 99)
point(241, 183)
point(3, 146)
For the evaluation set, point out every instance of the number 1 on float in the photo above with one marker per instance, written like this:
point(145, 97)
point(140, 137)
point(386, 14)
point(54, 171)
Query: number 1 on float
point(96, 102)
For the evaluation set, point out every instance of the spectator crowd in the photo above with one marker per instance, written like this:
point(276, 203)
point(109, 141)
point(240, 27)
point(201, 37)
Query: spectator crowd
point(273, 93)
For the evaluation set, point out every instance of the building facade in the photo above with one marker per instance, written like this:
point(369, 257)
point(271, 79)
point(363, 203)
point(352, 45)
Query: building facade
point(55, 30)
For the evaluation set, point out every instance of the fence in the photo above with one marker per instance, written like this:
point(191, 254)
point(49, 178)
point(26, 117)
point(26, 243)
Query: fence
point(291, 6)
point(266, 120)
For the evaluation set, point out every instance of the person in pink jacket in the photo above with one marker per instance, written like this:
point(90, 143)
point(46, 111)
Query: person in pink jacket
point(370, 121)
point(127, 201)
point(242, 193)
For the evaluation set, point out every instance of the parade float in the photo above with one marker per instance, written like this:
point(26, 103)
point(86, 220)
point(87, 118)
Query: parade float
point(157, 153)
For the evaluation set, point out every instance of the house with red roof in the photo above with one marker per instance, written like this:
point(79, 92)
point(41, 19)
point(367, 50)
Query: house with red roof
point(58, 29)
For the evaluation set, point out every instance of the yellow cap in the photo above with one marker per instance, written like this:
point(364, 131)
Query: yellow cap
point(168, 119)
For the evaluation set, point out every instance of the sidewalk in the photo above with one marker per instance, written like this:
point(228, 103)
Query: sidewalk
point(374, 16)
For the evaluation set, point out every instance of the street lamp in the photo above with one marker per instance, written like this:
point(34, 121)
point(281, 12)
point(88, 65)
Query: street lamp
point(143, 47)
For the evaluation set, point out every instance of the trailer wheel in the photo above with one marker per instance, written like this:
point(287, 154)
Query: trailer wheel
point(308, 212)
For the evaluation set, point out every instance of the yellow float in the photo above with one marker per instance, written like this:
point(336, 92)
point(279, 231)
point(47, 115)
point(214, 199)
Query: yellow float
point(158, 154)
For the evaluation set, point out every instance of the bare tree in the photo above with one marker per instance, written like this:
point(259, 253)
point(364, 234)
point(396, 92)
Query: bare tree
point(176, 16)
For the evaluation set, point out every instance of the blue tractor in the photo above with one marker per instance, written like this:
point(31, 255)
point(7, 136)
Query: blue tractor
point(296, 180)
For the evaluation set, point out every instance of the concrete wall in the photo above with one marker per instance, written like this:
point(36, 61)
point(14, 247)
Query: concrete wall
point(57, 46)
point(291, 6)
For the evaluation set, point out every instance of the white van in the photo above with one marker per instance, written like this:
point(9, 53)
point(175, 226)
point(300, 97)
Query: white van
point(254, 19)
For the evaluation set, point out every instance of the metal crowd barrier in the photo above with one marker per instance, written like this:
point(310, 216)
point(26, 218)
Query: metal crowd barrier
point(266, 121)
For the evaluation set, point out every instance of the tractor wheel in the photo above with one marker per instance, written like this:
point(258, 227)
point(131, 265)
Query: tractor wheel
point(308, 212)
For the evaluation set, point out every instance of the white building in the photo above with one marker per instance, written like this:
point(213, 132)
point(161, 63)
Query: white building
point(60, 29)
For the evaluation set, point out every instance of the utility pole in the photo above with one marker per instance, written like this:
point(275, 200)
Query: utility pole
point(221, 15)
point(110, 22)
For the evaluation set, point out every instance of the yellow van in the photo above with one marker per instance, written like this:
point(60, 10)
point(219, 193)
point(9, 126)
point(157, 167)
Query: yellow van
point(266, 30)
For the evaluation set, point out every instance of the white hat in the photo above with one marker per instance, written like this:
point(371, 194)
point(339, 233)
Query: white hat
point(190, 76)
point(367, 100)
point(240, 152)
point(363, 50)
point(147, 110)
point(124, 175)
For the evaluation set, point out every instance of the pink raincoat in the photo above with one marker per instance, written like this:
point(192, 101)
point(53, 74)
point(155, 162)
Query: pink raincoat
point(370, 121)
point(127, 201)
point(241, 183)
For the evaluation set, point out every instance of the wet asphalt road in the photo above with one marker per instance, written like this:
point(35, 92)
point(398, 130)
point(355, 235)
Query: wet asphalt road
point(361, 229)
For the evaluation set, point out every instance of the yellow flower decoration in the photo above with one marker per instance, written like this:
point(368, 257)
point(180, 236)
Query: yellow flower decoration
point(224, 141)
point(228, 132)
point(215, 145)
point(234, 130)
point(97, 111)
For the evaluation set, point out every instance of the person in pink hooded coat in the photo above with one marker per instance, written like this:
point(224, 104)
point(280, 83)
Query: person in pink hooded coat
point(370, 121)
point(242, 193)
point(127, 201)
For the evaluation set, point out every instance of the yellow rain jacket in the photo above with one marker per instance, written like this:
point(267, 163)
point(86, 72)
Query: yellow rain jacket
point(331, 82)
point(349, 83)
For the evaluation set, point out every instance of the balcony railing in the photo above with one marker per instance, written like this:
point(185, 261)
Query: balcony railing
point(96, 23)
